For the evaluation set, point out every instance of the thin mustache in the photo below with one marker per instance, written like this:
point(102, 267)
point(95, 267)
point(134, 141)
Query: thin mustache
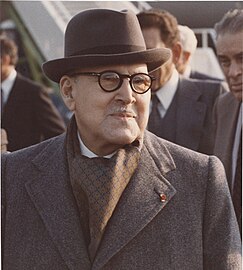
point(123, 110)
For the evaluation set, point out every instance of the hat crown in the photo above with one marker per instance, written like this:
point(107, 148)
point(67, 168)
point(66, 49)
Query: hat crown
point(104, 37)
point(103, 31)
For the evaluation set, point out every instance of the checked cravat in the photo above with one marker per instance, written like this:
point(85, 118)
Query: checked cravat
point(98, 184)
point(103, 181)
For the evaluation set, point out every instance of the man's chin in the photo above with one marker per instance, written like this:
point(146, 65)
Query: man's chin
point(124, 137)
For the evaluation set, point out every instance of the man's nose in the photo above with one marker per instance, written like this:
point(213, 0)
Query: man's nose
point(125, 92)
point(235, 69)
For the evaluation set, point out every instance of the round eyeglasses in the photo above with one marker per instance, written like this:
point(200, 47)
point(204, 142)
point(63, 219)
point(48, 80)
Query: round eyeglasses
point(110, 81)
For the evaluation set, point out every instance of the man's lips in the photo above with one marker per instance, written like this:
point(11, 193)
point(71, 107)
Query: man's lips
point(124, 114)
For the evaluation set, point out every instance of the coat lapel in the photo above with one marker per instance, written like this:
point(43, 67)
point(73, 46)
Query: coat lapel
point(139, 204)
point(187, 103)
point(52, 196)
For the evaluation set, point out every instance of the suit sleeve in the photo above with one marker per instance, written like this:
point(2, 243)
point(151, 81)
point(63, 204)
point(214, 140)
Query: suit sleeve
point(50, 121)
point(221, 238)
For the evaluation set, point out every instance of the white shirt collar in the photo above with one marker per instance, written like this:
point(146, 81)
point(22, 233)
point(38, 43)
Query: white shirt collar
point(87, 153)
point(166, 93)
point(7, 85)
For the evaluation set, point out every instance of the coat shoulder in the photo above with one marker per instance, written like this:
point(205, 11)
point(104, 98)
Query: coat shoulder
point(17, 159)
point(27, 85)
point(158, 147)
point(200, 89)
point(226, 99)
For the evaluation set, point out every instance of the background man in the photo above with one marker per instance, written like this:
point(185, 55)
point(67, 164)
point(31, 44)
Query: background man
point(108, 194)
point(27, 112)
point(181, 108)
point(189, 44)
point(228, 109)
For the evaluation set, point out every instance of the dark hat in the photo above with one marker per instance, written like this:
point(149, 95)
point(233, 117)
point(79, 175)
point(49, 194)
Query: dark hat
point(99, 37)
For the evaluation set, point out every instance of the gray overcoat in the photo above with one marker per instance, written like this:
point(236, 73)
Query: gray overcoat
point(191, 226)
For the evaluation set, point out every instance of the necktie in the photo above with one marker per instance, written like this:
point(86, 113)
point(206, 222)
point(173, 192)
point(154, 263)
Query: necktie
point(237, 191)
point(154, 117)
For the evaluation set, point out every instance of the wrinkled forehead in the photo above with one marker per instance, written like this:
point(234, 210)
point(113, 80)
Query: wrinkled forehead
point(224, 44)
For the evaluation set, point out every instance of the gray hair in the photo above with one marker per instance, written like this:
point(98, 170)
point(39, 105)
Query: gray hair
point(188, 39)
point(231, 22)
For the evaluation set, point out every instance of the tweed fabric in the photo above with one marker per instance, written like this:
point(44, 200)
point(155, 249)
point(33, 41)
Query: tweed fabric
point(194, 229)
point(102, 181)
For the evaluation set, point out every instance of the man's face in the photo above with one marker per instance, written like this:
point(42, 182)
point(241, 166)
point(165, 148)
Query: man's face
point(5, 66)
point(230, 52)
point(107, 120)
point(152, 39)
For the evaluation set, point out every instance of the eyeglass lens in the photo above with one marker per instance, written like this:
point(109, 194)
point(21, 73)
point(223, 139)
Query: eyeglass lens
point(110, 81)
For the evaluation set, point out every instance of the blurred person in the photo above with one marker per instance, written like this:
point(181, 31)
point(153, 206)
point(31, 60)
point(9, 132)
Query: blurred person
point(228, 108)
point(108, 194)
point(181, 109)
point(4, 140)
point(27, 114)
point(189, 44)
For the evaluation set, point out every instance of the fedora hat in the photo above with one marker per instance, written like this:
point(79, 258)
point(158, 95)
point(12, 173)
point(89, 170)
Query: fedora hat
point(98, 37)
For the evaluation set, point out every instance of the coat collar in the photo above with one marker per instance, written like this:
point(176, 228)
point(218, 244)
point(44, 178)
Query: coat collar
point(52, 195)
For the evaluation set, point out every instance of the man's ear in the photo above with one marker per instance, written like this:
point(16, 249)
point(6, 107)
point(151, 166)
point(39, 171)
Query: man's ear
point(66, 89)
point(176, 50)
point(186, 56)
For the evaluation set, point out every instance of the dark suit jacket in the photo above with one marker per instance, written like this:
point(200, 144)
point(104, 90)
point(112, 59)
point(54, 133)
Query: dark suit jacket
point(225, 116)
point(202, 76)
point(193, 119)
point(194, 227)
point(29, 116)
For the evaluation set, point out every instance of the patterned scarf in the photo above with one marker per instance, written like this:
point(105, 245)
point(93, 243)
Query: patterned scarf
point(98, 184)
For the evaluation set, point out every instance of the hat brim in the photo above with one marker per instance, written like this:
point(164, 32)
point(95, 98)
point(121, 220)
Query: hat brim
point(154, 58)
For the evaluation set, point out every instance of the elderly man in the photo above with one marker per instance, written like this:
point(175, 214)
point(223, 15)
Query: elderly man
point(189, 44)
point(108, 194)
point(228, 109)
